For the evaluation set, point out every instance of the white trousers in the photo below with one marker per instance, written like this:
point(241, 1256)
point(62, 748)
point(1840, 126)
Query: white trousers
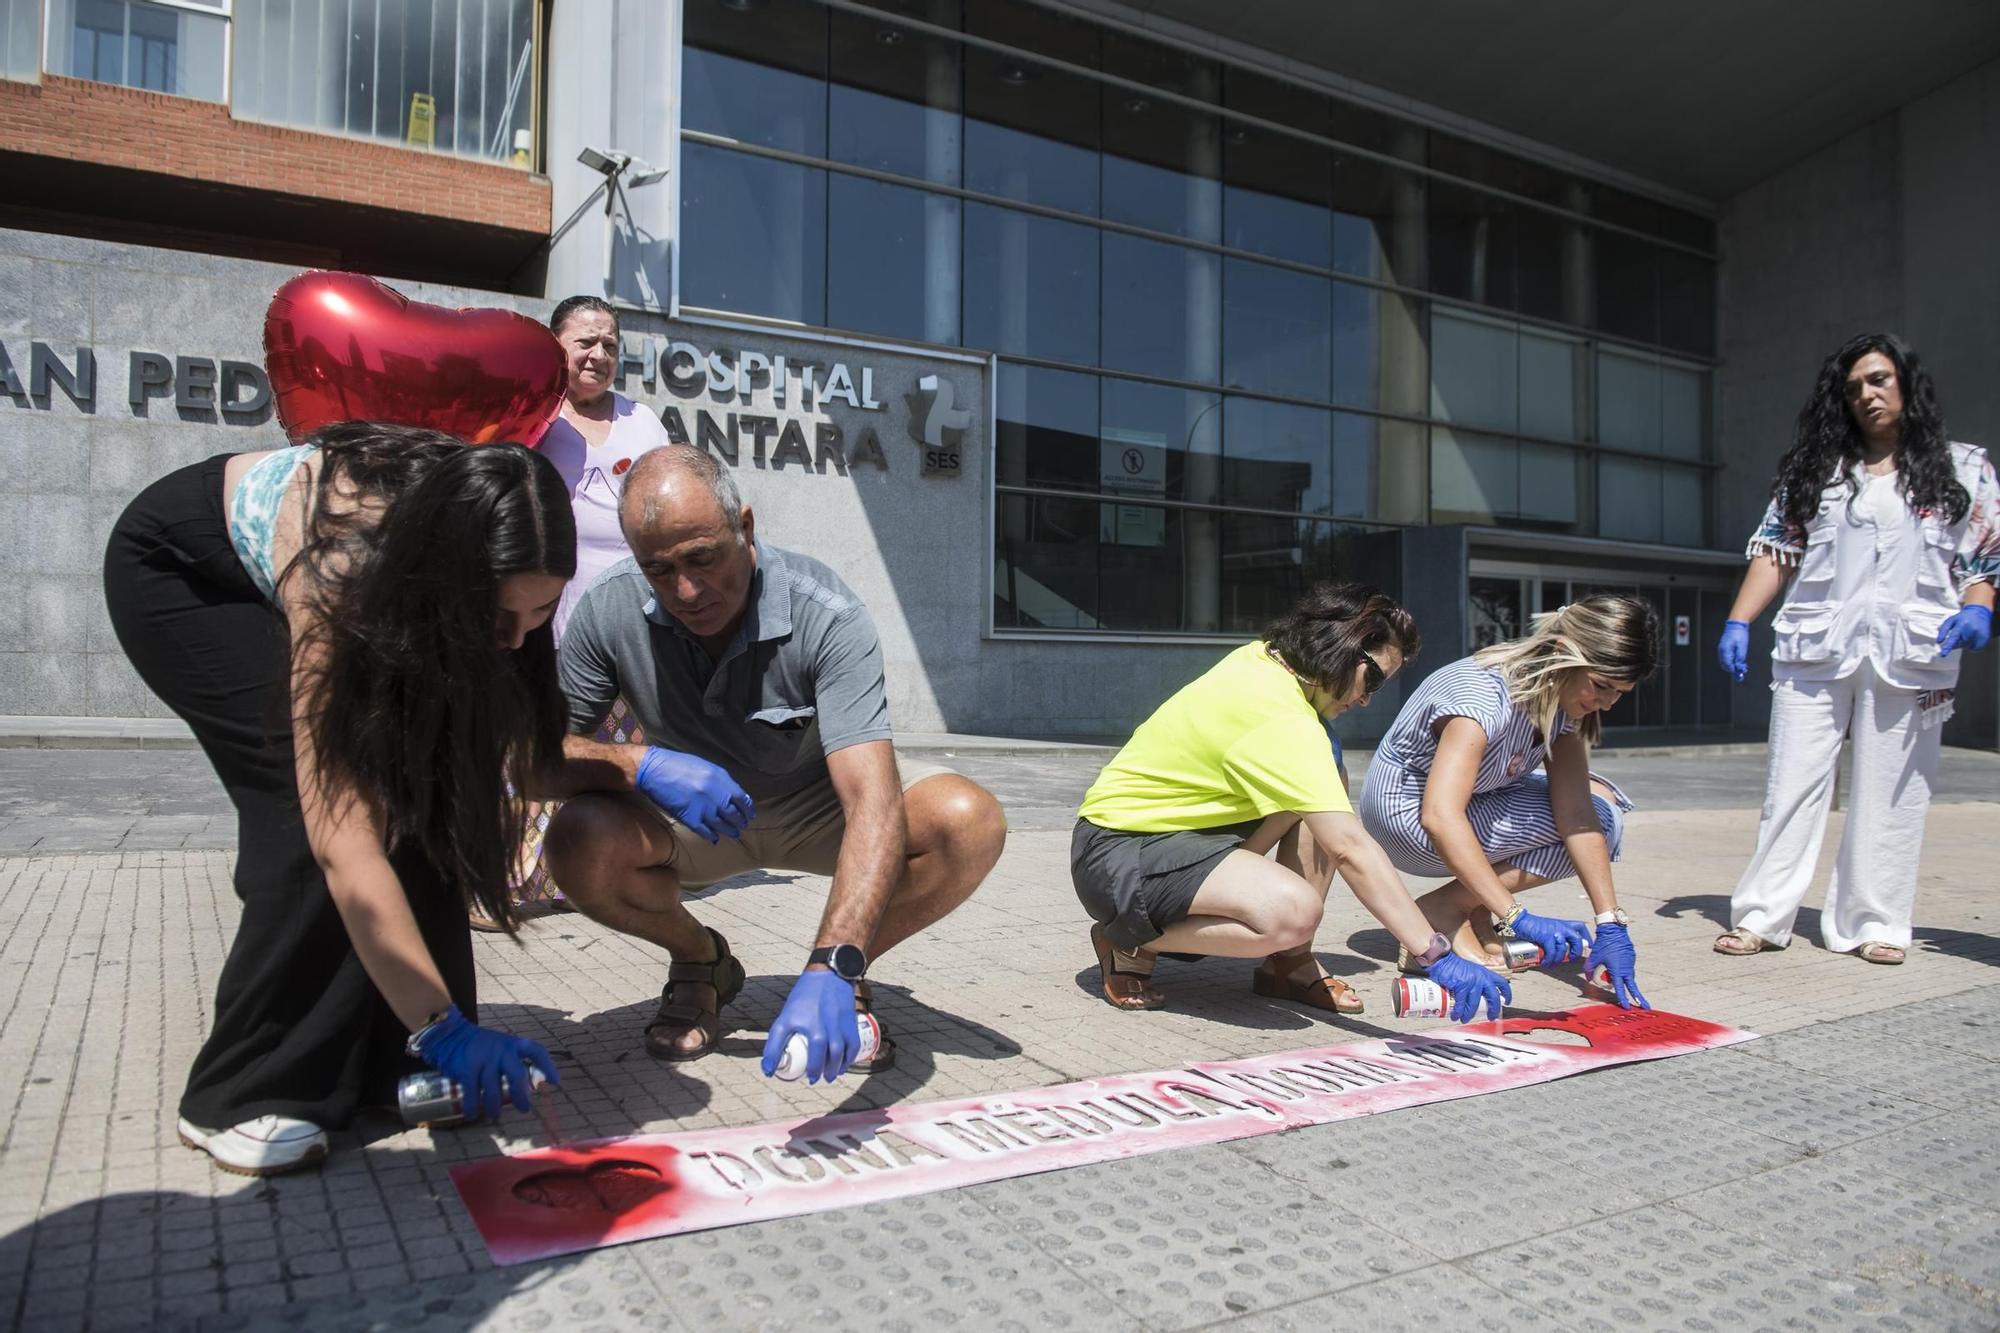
point(1874, 887)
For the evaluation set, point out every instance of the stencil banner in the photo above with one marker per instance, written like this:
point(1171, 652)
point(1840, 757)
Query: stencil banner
point(551, 1201)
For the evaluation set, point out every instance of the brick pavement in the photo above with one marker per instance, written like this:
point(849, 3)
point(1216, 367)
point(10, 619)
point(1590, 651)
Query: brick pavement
point(1879, 1127)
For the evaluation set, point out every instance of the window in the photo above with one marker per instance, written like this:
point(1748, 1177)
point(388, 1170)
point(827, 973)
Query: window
point(1244, 328)
point(20, 38)
point(427, 74)
point(178, 48)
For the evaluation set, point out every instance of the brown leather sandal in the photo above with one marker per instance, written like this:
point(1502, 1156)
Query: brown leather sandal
point(1124, 987)
point(1283, 982)
point(885, 1054)
point(674, 1019)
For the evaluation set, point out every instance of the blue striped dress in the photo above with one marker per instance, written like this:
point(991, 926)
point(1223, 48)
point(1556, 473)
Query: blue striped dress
point(1509, 808)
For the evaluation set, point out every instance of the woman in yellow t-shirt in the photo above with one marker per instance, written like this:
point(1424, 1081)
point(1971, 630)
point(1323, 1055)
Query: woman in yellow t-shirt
point(1169, 854)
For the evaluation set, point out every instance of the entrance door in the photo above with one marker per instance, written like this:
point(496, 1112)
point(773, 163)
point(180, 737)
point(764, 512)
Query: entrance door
point(1506, 598)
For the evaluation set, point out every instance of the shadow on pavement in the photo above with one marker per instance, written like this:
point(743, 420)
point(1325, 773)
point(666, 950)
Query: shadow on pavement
point(1958, 944)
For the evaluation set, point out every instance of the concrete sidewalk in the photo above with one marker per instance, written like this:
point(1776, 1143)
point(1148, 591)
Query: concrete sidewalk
point(1843, 1171)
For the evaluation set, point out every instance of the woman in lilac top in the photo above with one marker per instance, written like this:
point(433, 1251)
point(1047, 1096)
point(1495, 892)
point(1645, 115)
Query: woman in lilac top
point(594, 443)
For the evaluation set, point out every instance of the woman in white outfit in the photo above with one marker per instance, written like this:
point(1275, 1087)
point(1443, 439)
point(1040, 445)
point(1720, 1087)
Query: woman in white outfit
point(1890, 536)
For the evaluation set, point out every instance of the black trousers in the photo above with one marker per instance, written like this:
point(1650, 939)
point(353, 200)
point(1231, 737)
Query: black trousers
point(299, 1029)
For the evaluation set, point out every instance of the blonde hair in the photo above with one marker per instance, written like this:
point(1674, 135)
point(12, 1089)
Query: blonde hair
point(1615, 637)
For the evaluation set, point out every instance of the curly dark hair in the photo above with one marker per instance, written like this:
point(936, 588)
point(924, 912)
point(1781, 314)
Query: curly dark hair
point(1327, 632)
point(1828, 443)
point(414, 709)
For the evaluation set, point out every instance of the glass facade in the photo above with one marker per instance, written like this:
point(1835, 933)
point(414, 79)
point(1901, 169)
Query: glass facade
point(180, 48)
point(1246, 330)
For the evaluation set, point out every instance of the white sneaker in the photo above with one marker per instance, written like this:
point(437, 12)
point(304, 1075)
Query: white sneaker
point(267, 1146)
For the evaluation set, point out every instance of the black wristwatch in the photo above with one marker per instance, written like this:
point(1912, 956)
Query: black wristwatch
point(846, 960)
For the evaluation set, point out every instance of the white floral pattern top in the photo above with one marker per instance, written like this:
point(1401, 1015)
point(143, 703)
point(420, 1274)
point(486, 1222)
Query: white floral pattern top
point(253, 512)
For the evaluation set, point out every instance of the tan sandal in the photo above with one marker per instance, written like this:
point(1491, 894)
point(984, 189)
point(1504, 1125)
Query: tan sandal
point(675, 1019)
point(1282, 982)
point(1127, 977)
point(1878, 951)
point(1741, 943)
point(885, 1054)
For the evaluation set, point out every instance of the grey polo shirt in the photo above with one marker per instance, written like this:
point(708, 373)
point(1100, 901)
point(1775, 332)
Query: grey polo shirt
point(801, 679)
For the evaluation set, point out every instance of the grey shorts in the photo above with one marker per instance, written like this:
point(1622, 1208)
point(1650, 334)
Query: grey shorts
point(1137, 884)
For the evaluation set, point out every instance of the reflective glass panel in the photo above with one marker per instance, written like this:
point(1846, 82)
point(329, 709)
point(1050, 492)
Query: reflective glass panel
point(1162, 308)
point(1160, 441)
point(1047, 428)
point(1548, 481)
point(892, 260)
point(1475, 370)
point(894, 100)
point(1268, 564)
point(20, 39)
point(138, 45)
point(758, 74)
point(1628, 401)
point(1378, 469)
point(1045, 563)
point(753, 235)
point(1683, 511)
point(1474, 478)
point(1277, 456)
point(1628, 498)
point(1687, 302)
point(1551, 279)
point(1277, 334)
point(1683, 411)
point(1628, 287)
point(1030, 132)
point(1381, 357)
point(1277, 188)
point(1031, 284)
point(1552, 386)
point(1471, 245)
point(1378, 222)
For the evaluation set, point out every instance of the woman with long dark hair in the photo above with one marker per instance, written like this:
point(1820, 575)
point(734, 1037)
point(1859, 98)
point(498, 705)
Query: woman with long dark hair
point(1172, 848)
point(1485, 776)
point(356, 630)
point(1883, 537)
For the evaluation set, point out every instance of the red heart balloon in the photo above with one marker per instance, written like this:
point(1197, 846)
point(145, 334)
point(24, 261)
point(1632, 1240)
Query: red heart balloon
point(343, 347)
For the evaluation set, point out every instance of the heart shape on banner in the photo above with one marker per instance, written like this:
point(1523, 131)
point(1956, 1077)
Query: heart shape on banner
point(344, 347)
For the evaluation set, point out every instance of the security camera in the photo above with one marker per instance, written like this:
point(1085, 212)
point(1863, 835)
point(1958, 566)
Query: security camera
point(610, 163)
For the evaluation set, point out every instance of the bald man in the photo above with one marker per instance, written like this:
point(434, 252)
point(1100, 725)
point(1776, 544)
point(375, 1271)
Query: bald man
point(757, 676)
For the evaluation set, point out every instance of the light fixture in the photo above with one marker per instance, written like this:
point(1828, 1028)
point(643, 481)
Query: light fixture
point(889, 36)
point(739, 6)
point(1138, 105)
point(610, 163)
point(1014, 76)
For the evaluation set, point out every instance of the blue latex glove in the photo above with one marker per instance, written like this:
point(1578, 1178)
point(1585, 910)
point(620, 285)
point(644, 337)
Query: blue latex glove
point(821, 1006)
point(1971, 629)
point(1560, 940)
point(475, 1057)
point(697, 793)
point(1470, 986)
point(1612, 950)
point(1733, 650)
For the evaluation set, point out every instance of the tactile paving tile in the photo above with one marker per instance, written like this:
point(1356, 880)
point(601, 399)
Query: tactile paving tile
point(1968, 1022)
point(1423, 1301)
point(1958, 1154)
point(903, 1266)
point(1660, 1268)
point(1771, 1099)
point(1914, 1069)
point(600, 1293)
point(1844, 1212)
point(1180, 1240)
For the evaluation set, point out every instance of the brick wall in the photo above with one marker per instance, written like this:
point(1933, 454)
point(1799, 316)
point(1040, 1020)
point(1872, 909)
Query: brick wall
point(102, 123)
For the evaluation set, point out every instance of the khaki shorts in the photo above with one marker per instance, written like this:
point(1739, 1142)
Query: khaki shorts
point(802, 831)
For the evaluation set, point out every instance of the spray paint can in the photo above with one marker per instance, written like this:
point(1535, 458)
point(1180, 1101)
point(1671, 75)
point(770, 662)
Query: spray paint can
point(1522, 954)
point(792, 1064)
point(1418, 997)
point(431, 1099)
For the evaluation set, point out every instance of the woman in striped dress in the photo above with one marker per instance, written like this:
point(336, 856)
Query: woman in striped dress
point(1455, 790)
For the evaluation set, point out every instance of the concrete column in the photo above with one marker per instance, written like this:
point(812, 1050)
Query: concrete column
point(1201, 532)
point(943, 162)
